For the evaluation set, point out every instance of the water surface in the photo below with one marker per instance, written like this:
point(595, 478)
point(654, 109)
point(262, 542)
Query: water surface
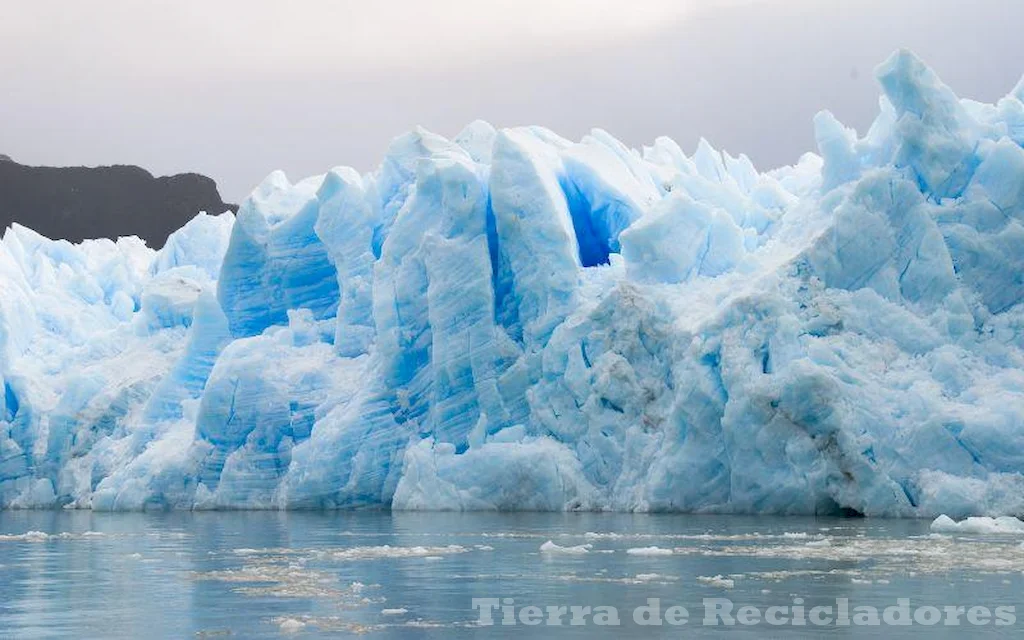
point(413, 575)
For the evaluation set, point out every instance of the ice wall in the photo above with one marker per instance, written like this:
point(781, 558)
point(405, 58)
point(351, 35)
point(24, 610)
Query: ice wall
point(511, 320)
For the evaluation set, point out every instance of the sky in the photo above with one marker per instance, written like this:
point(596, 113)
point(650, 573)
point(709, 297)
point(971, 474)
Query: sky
point(237, 88)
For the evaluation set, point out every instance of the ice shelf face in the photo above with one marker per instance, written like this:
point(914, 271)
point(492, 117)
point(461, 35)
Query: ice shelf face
point(510, 320)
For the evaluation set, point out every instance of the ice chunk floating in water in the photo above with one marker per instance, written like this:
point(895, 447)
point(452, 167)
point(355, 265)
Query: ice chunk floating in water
point(511, 320)
point(980, 525)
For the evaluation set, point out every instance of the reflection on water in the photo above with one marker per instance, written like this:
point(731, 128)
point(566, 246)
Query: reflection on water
point(256, 575)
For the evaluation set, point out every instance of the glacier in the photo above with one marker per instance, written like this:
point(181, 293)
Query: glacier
point(509, 320)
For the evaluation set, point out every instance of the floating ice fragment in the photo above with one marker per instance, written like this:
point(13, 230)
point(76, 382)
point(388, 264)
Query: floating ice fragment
point(1004, 525)
point(551, 547)
point(28, 536)
point(718, 581)
point(649, 551)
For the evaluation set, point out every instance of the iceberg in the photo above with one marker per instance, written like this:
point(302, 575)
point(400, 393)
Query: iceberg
point(511, 320)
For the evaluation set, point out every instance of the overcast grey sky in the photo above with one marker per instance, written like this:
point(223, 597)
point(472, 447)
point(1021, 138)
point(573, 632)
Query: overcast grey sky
point(237, 88)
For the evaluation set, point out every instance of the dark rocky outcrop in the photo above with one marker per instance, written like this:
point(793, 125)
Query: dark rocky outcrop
point(75, 203)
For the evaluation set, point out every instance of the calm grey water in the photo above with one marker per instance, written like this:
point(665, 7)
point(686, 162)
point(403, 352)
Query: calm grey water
point(307, 575)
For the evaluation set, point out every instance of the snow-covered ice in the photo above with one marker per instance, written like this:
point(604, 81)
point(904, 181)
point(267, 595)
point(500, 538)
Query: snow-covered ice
point(512, 320)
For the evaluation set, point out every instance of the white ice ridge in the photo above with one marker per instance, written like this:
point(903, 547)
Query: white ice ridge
point(510, 320)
